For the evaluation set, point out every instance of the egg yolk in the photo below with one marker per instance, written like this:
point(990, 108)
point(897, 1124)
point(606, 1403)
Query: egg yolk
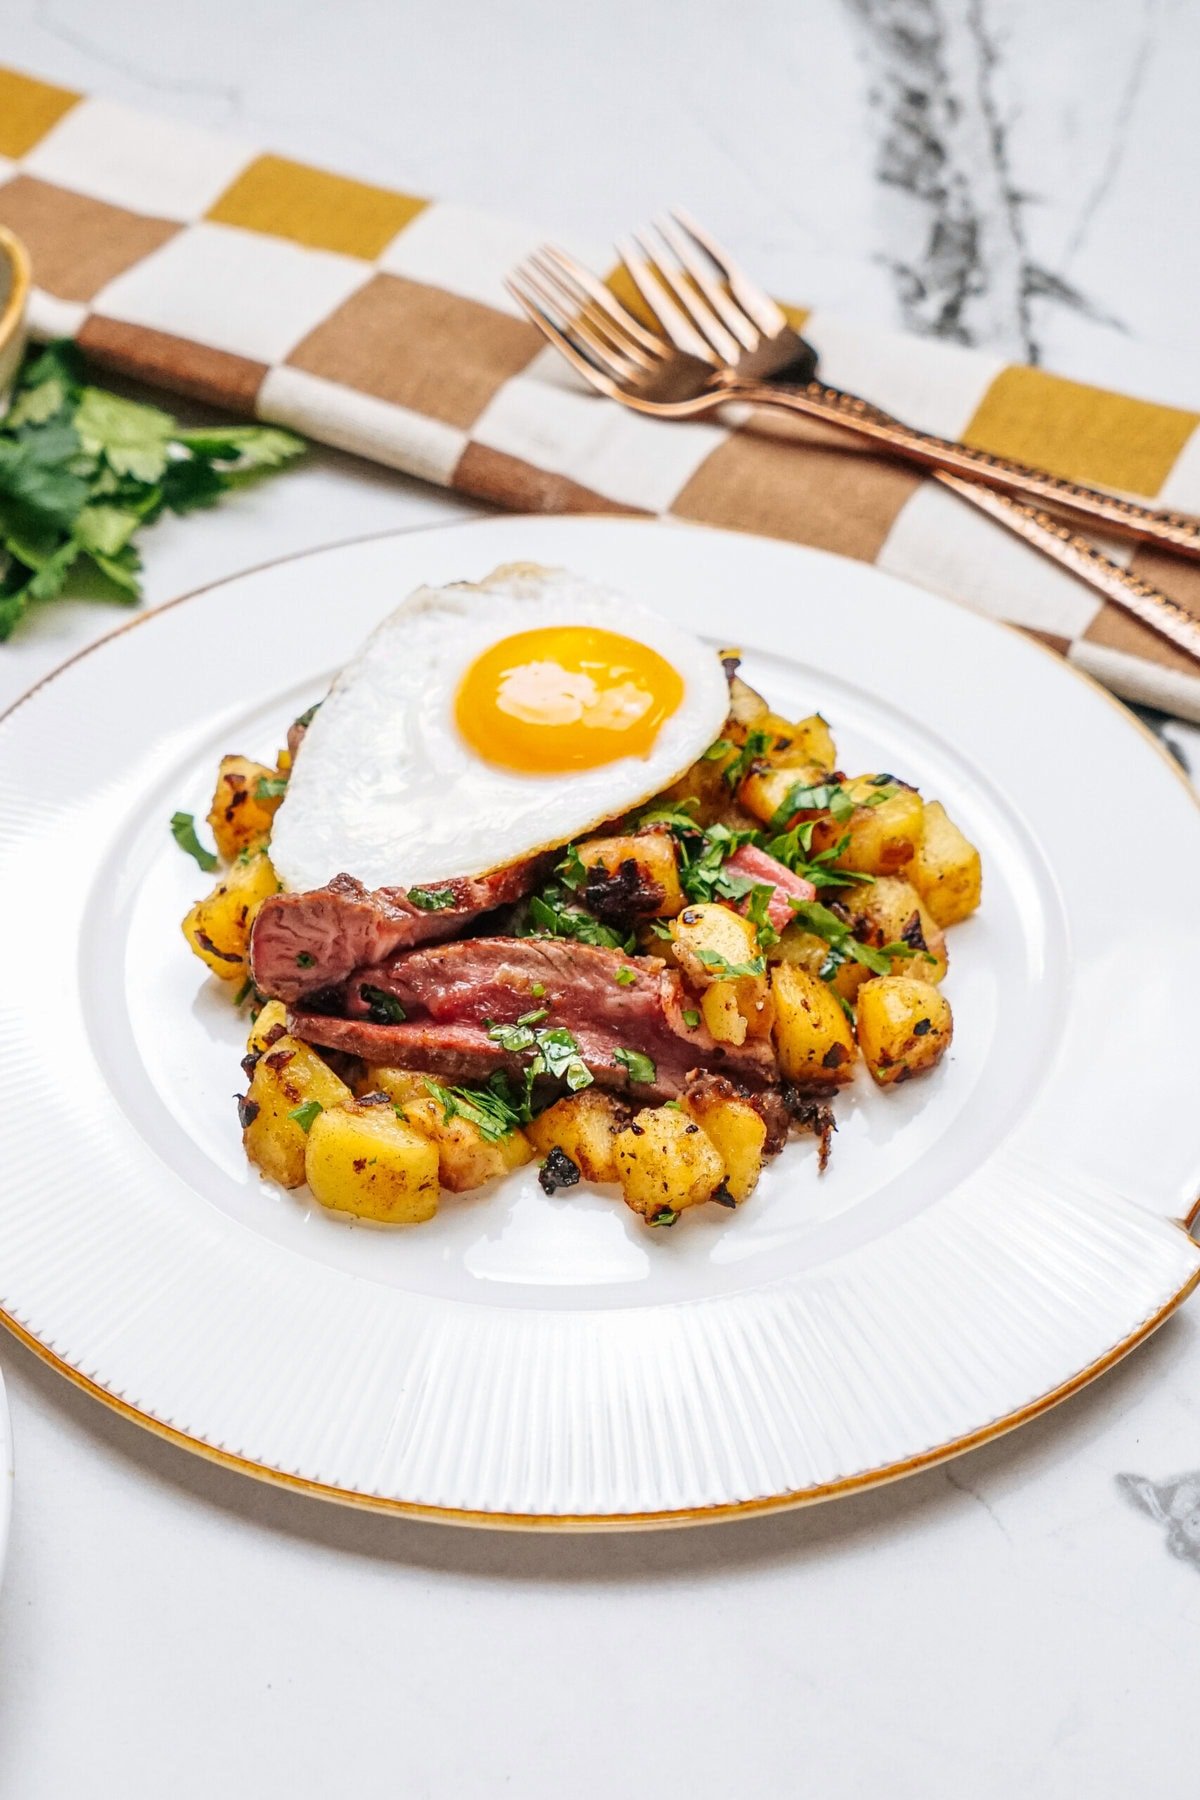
point(565, 697)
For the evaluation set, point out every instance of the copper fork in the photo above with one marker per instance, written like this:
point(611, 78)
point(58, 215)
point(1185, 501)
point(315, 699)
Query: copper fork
point(721, 337)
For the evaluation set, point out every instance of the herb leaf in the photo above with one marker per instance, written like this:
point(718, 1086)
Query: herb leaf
point(270, 787)
point(183, 830)
point(492, 1110)
point(550, 916)
point(430, 899)
point(385, 1008)
point(304, 1115)
point(641, 1068)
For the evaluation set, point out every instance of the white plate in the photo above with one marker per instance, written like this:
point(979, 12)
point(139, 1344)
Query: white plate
point(983, 1243)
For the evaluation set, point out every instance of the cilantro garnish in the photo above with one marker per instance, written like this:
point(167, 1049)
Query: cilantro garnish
point(550, 916)
point(554, 1052)
point(641, 1068)
point(572, 871)
point(82, 470)
point(385, 1008)
point(494, 1111)
point(729, 971)
point(826, 796)
point(430, 899)
point(304, 1115)
point(843, 945)
point(183, 828)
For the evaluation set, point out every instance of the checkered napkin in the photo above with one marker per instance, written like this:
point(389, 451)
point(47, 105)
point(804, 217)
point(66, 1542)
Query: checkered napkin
point(377, 321)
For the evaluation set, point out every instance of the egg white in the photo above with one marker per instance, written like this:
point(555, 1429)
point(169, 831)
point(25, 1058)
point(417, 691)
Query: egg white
point(386, 790)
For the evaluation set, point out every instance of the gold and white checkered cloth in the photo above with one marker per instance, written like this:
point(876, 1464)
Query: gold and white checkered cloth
point(377, 321)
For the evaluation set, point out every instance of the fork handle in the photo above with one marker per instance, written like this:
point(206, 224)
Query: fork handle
point(1097, 506)
point(1075, 554)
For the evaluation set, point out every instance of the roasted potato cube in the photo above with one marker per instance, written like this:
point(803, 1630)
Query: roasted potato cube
point(715, 946)
point(242, 807)
point(218, 927)
point(813, 1039)
point(400, 1085)
point(583, 1127)
point(808, 951)
point(904, 1027)
point(889, 910)
point(767, 792)
point(946, 869)
point(466, 1156)
point(267, 1028)
point(288, 1077)
point(883, 834)
point(813, 742)
point(360, 1158)
point(633, 877)
point(665, 1162)
point(736, 1132)
point(721, 1015)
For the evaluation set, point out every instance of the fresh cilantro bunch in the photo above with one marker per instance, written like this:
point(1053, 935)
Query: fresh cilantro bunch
point(82, 470)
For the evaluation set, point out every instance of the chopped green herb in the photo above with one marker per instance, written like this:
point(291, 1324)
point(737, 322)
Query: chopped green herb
point(842, 941)
point(538, 989)
point(691, 1017)
point(667, 1216)
point(735, 772)
point(493, 1110)
point(758, 901)
point(306, 718)
point(716, 751)
point(641, 1068)
point(305, 960)
point(728, 971)
point(549, 916)
point(555, 1053)
point(385, 1008)
point(304, 1115)
point(533, 1018)
point(672, 1106)
point(183, 830)
point(676, 818)
point(430, 899)
point(571, 870)
point(625, 977)
point(244, 992)
point(270, 787)
point(827, 796)
point(513, 1038)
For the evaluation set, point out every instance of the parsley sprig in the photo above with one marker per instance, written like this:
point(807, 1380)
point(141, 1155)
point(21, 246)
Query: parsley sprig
point(552, 1051)
point(82, 470)
point(495, 1111)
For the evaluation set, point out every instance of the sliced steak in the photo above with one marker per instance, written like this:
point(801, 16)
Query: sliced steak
point(450, 994)
point(304, 943)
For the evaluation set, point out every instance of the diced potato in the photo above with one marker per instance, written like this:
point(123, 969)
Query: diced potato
point(814, 741)
point(715, 946)
point(813, 1039)
point(636, 876)
point(583, 1126)
point(883, 837)
point(267, 1028)
point(218, 927)
point(466, 1158)
point(242, 810)
point(883, 912)
point(719, 1010)
point(400, 1085)
point(287, 1076)
point(808, 951)
point(746, 704)
point(736, 1132)
point(946, 869)
point(665, 1162)
point(904, 1027)
point(362, 1159)
point(765, 792)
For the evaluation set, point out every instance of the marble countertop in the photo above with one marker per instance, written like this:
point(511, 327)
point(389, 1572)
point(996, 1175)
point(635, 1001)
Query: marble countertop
point(1021, 1620)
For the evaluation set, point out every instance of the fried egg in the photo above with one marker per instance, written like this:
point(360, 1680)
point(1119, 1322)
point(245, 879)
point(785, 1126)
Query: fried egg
point(480, 724)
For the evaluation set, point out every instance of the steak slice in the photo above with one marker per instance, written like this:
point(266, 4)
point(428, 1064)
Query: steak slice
point(303, 943)
point(452, 993)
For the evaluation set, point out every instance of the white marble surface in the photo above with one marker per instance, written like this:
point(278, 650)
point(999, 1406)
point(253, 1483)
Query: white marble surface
point(1015, 1622)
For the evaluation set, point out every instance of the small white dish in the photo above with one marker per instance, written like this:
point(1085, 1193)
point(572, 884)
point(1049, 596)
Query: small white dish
point(983, 1244)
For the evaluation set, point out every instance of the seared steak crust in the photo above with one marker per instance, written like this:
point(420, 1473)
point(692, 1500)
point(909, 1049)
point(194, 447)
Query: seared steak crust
point(304, 943)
